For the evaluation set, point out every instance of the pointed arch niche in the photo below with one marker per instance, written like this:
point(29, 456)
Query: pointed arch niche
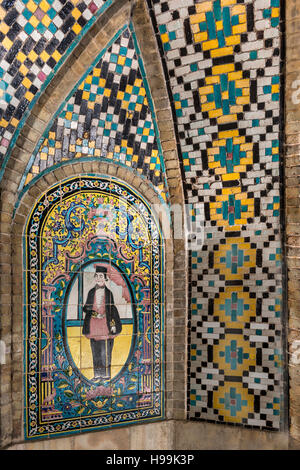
point(141, 166)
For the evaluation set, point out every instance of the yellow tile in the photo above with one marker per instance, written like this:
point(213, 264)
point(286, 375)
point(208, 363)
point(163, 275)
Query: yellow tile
point(199, 37)
point(56, 56)
point(242, 83)
point(215, 113)
point(224, 68)
point(26, 82)
point(29, 95)
point(32, 56)
point(51, 151)
point(219, 25)
point(195, 19)
point(206, 90)
point(121, 60)
point(76, 28)
point(34, 21)
point(246, 146)
point(164, 37)
point(225, 3)
point(102, 82)
point(2, 13)
point(275, 150)
point(44, 56)
point(229, 134)
point(76, 13)
point(44, 5)
point(58, 145)
point(238, 10)
point(231, 177)
point(207, 45)
point(96, 72)
point(85, 95)
point(239, 28)
point(236, 109)
point(35, 169)
point(4, 28)
point(212, 80)
point(138, 82)
point(7, 43)
point(214, 164)
point(213, 151)
point(275, 12)
point(107, 92)
point(14, 122)
point(46, 21)
point(219, 143)
point(222, 51)
point(275, 88)
point(233, 76)
point(203, 7)
point(246, 91)
point(242, 100)
point(227, 118)
point(21, 56)
point(232, 40)
point(247, 161)
point(225, 95)
point(208, 106)
point(31, 6)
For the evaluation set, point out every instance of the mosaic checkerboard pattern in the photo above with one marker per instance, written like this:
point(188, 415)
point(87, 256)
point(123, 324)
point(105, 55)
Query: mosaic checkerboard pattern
point(108, 116)
point(35, 37)
point(223, 60)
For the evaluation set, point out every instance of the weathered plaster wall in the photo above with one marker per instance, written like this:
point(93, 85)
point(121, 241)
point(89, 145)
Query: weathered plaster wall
point(292, 207)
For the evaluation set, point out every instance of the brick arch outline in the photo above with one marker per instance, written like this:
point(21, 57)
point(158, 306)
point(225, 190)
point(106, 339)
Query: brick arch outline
point(11, 227)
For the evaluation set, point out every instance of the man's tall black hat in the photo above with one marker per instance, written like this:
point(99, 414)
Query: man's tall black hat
point(100, 269)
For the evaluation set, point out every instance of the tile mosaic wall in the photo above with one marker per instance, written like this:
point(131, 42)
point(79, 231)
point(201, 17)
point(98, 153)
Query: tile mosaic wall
point(93, 309)
point(223, 63)
point(108, 116)
point(35, 38)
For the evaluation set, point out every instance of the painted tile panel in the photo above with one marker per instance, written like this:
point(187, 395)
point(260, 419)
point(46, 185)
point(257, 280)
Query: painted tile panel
point(94, 311)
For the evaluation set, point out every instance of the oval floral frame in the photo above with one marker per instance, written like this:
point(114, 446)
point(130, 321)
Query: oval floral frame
point(80, 222)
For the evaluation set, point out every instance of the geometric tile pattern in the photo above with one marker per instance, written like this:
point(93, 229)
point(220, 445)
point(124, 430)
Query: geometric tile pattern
point(107, 116)
point(223, 63)
point(35, 37)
